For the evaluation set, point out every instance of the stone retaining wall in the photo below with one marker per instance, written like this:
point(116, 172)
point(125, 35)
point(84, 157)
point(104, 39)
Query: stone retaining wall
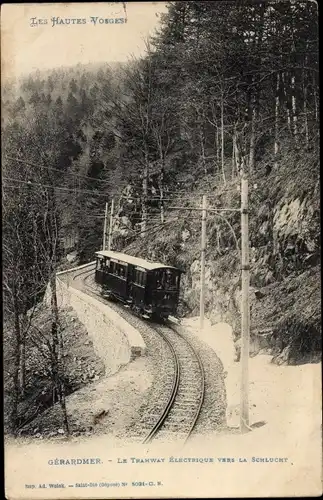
point(114, 340)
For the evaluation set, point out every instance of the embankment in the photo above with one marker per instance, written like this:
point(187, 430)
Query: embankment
point(114, 340)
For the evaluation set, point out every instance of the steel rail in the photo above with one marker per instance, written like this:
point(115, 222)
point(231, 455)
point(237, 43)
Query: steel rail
point(172, 398)
point(83, 272)
point(173, 394)
point(177, 372)
point(202, 392)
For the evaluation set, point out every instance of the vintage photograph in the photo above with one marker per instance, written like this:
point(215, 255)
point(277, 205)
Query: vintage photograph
point(161, 249)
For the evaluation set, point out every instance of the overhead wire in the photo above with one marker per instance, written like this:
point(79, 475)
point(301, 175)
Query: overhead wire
point(86, 177)
point(152, 228)
point(109, 183)
point(71, 190)
point(75, 190)
point(29, 183)
point(84, 191)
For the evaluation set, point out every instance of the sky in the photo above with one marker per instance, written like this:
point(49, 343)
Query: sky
point(38, 36)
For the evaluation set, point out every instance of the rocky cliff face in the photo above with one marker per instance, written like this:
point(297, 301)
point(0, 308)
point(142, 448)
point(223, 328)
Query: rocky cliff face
point(284, 259)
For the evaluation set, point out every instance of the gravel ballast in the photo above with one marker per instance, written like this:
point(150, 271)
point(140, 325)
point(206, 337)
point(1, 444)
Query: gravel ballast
point(213, 413)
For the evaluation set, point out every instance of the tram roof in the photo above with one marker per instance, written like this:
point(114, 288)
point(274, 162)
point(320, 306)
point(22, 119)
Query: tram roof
point(135, 261)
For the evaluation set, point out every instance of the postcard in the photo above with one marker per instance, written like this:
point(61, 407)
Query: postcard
point(161, 250)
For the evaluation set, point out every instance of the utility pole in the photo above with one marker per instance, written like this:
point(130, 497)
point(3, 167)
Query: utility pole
point(203, 244)
point(111, 224)
point(245, 308)
point(105, 226)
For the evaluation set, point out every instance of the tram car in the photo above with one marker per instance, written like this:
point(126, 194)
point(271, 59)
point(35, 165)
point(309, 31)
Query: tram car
point(149, 288)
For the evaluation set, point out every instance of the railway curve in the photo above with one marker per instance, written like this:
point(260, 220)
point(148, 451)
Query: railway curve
point(175, 412)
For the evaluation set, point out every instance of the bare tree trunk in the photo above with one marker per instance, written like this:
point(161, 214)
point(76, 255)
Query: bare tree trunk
point(25, 323)
point(222, 140)
point(144, 211)
point(54, 328)
point(202, 149)
point(294, 109)
point(64, 409)
point(254, 122)
point(241, 153)
point(287, 102)
point(217, 146)
point(218, 234)
point(305, 100)
point(276, 145)
point(315, 99)
point(305, 114)
point(57, 339)
point(22, 369)
point(161, 191)
point(200, 122)
point(252, 140)
point(16, 388)
point(255, 99)
point(289, 121)
point(234, 166)
point(58, 368)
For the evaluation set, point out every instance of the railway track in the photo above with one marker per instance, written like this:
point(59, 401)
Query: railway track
point(175, 412)
point(181, 406)
point(88, 271)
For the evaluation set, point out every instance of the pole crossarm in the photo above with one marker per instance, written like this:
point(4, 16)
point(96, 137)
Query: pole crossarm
point(208, 209)
point(224, 209)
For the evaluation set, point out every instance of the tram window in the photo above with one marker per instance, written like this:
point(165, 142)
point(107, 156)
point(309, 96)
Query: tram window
point(117, 269)
point(166, 280)
point(159, 285)
point(171, 279)
point(140, 278)
point(100, 263)
point(121, 271)
point(159, 280)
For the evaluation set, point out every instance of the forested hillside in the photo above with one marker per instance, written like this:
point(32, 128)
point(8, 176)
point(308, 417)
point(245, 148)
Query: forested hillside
point(223, 86)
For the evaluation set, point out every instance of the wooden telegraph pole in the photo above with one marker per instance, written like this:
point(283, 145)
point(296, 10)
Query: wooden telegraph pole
point(105, 226)
point(203, 245)
point(111, 224)
point(245, 308)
